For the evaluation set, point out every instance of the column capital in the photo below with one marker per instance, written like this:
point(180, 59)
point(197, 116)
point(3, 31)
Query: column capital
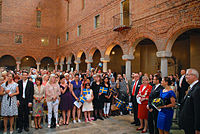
point(107, 59)
point(68, 62)
point(77, 62)
point(163, 54)
point(127, 57)
point(18, 62)
point(88, 61)
point(56, 63)
point(61, 63)
point(38, 63)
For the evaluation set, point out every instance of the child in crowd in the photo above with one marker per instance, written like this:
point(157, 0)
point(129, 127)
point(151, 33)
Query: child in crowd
point(87, 105)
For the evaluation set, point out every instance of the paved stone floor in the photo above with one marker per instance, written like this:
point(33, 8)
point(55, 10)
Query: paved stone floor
point(113, 125)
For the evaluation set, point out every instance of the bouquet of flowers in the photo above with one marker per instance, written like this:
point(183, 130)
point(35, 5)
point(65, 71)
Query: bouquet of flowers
point(158, 102)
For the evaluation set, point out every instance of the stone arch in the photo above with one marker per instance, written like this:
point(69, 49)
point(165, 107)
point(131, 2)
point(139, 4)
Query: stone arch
point(92, 51)
point(135, 40)
point(47, 63)
point(28, 62)
point(175, 32)
point(111, 46)
point(8, 61)
point(79, 54)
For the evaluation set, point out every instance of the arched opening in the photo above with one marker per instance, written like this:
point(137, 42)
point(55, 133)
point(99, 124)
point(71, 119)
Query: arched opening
point(96, 58)
point(116, 63)
point(28, 62)
point(185, 52)
point(65, 65)
point(8, 62)
point(47, 63)
point(145, 59)
point(83, 65)
point(72, 65)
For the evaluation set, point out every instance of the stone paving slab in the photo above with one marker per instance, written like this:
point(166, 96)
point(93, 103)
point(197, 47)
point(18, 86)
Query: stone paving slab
point(113, 125)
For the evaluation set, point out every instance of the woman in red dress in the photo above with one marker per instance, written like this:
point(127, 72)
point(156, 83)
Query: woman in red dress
point(142, 99)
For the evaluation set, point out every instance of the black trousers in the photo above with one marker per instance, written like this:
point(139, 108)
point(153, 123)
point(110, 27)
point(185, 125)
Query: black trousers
point(23, 114)
point(152, 122)
point(189, 131)
point(135, 109)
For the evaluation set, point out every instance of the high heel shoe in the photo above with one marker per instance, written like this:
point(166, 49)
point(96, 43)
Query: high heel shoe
point(139, 129)
point(144, 131)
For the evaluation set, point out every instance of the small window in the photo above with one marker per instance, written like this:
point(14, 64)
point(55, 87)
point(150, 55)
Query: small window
point(45, 41)
point(18, 39)
point(67, 36)
point(38, 19)
point(97, 21)
point(58, 41)
point(79, 30)
point(83, 4)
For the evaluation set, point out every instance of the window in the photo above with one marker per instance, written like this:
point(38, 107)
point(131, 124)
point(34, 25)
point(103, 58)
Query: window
point(97, 21)
point(58, 41)
point(83, 4)
point(67, 36)
point(18, 39)
point(0, 11)
point(45, 41)
point(79, 30)
point(38, 19)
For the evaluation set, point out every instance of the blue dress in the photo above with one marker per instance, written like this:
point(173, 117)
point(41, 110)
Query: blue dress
point(165, 116)
point(76, 89)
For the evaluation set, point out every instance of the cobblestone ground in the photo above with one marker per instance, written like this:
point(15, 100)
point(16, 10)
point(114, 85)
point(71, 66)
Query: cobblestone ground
point(113, 125)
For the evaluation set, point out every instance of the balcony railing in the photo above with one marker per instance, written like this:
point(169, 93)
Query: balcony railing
point(122, 21)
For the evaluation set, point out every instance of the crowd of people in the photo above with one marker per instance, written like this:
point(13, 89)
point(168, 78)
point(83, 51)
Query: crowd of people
point(64, 91)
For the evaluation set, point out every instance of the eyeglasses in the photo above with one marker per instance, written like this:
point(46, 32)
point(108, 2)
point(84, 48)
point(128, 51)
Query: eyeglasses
point(189, 74)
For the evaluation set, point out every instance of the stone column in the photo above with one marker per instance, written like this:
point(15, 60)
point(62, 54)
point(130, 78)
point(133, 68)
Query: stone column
point(56, 66)
point(38, 66)
point(18, 65)
point(164, 62)
point(105, 63)
point(68, 66)
point(61, 66)
point(128, 59)
point(77, 64)
point(89, 63)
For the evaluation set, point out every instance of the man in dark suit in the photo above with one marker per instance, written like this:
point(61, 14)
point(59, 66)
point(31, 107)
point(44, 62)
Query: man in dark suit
point(153, 113)
point(24, 101)
point(190, 113)
point(134, 91)
point(182, 86)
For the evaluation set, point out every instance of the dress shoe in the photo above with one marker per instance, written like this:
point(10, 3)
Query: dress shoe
point(26, 129)
point(133, 122)
point(101, 118)
point(95, 119)
point(144, 131)
point(139, 129)
point(19, 130)
point(137, 124)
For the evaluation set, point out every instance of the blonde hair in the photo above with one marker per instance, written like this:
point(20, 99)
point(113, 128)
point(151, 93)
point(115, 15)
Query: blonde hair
point(145, 77)
point(50, 78)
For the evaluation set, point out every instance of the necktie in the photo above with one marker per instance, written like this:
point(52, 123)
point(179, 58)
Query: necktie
point(187, 92)
point(133, 91)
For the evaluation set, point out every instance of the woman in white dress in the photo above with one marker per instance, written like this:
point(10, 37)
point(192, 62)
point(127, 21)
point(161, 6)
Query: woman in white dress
point(9, 108)
point(87, 105)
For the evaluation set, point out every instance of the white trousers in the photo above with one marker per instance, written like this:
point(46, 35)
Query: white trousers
point(52, 106)
point(106, 108)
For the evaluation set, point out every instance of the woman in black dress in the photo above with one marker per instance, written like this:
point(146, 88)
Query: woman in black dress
point(66, 98)
point(107, 97)
point(98, 100)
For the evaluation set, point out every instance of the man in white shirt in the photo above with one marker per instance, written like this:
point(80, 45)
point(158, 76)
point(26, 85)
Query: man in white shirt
point(24, 101)
point(182, 86)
